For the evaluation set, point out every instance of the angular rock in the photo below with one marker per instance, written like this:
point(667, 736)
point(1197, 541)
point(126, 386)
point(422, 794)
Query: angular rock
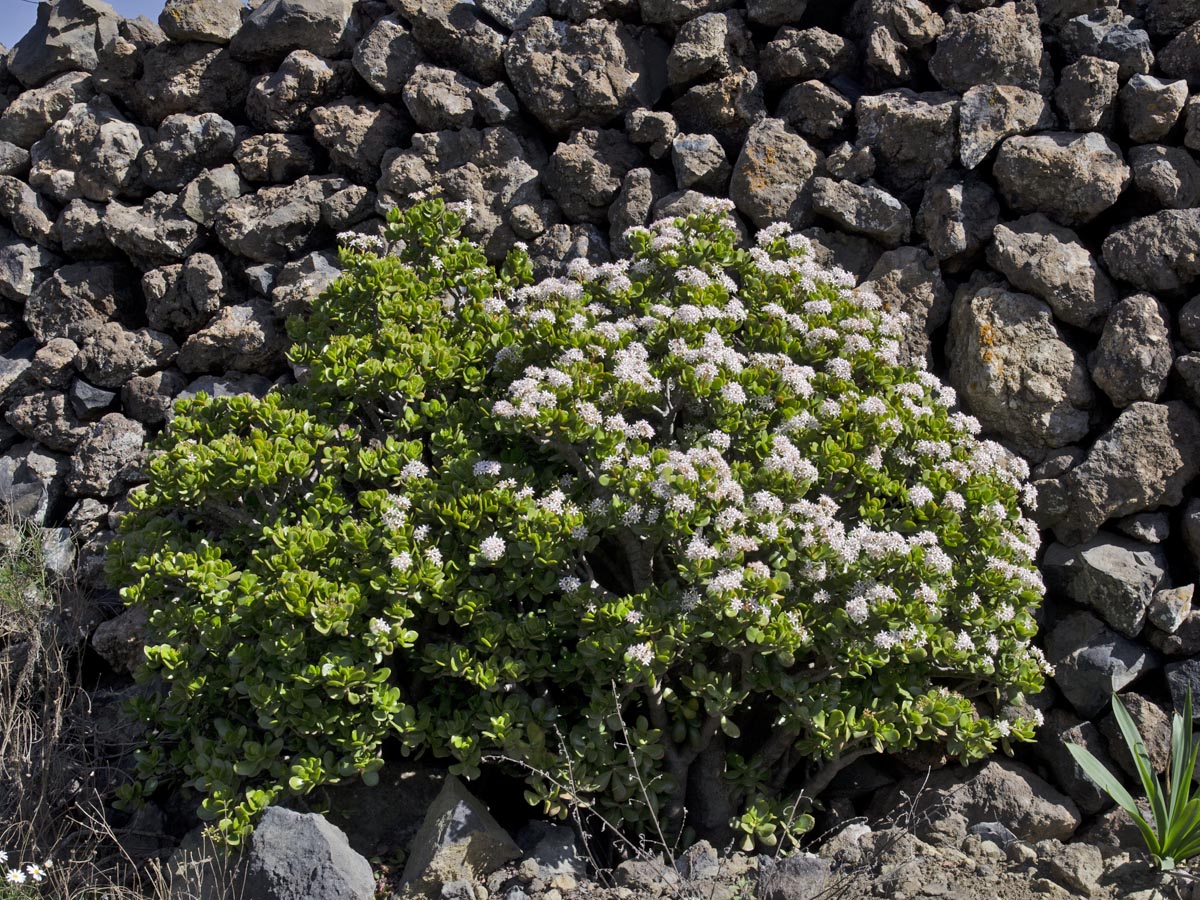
point(1116, 576)
point(1014, 372)
point(283, 100)
point(215, 21)
point(275, 223)
point(1087, 92)
point(31, 481)
point(454, 34)
point(80, 227)
point(1169, 175)
point(578, 75)
point(989, 113)
point(1181, 57)
point(440, 98)
point(995, 791)
point(1071, 178)
point(46, 416)
point(494, 169)
point(88, 401)
point(727, 108)
point(514, 14)
point(1171, 607)
point(640, 190)
point(913, 136)
point(1108, 34)
point(1078, 867)
point(208, 193)
point(1141, 463)
point(157, 232)
point(458, 840)
point(1152, 722)
point(275, 158)
point(112, 354)
point(121, 642)
point(814, 109)
point(184, 297)
point(77, 299)
point(347, 207)
point(1000, 45)
point(1165, 18)
point(184, 147)
point(1050, 262)
point(709, 46)
point(89, 153)
point(658, 129)
point(799, 876)
point(27, 117)
point(387, 56)
point(277, 27)
point(838, 250)
point(800, 54)
point(357, 134)
point(67, 37)
point(1191, 116)
point(109, 458)
point(850, 163)
point(1183, 678)
point(908, 280)
point(148, 398)
point(28, 214)
point(772, 178)
point(23, 266)
point(188, 78)
point(1091, 661)
point(700, 162)
point(862, 209)
point(1133, 358)
point(299, 283)
point(247, 337)
point(957, 215)
point(1156, 252)
point(1150, 107)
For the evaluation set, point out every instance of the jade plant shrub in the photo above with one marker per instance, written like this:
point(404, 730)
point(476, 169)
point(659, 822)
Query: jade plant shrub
point(677, 534)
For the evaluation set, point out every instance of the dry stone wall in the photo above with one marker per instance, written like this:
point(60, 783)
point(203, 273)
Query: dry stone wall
point(1020, 177)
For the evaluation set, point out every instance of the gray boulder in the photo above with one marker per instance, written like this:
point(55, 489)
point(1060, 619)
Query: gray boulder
point(91, 152)
point(579, 75)
point(440, 98)
point(908, 280)
point(1087, 92)
point(31, 481)
point(800, 54)
point(1109, 34)
point(957, 215)
point(184, 147)
point(1155, 252)
point(1183, 678)
point(1091, 661)
point(1165, 18)
point(121, 641)
point(32, 112)
point(999, 45)
point(1181, 57)
point(208, 193)
point(913, 136)
point(457, 35)
point(1152, 722)
point(283, 100)
point(275, 223)
point(157, 232)
point(66, 37)
point(387, 56)
point(47, 417)
point(1150, 107)
point(727, 108)
point(77, 299)
point(148, 398)
point(108, 459)
point(1072, 178)
point(709, 46)
point(814, 109)
point(699, 162)
point(773, 176)
point(189, 78)
point(850, 163)
point(246, 337)
point(989, 113)
point(28, 214)
point(862, 209)
point(112, 354)
point(1014, 372)
point(80, 228)
point(1168, 175)
point(799, 876)
point(1141, 463)
point(298, 283)
point(459, 840)
point(494, 169)
point(184, 297)
point(1133, 358)
point(277, 27)
point(357, 134)
point(514, 14)
point(654, 128)
point(215, 21)
point(1067, 773)
point(1050, 262)
point(273, 159)
point(23, 266)
point(1116, 576)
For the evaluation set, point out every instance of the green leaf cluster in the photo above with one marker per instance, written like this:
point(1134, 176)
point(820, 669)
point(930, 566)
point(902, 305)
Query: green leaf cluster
point(678, 515)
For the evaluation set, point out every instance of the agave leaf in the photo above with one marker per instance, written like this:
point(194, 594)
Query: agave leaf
point(1112, 786)
point(1141, 758)
point(1184, 831)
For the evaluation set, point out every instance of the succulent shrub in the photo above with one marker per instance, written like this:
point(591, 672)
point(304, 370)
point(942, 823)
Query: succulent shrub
point(679, 534)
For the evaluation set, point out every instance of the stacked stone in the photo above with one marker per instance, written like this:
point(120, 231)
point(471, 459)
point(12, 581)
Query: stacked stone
point(1019, 177)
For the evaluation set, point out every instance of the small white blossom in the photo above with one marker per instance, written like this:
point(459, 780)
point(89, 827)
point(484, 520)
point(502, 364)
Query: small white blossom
point(492, 548)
